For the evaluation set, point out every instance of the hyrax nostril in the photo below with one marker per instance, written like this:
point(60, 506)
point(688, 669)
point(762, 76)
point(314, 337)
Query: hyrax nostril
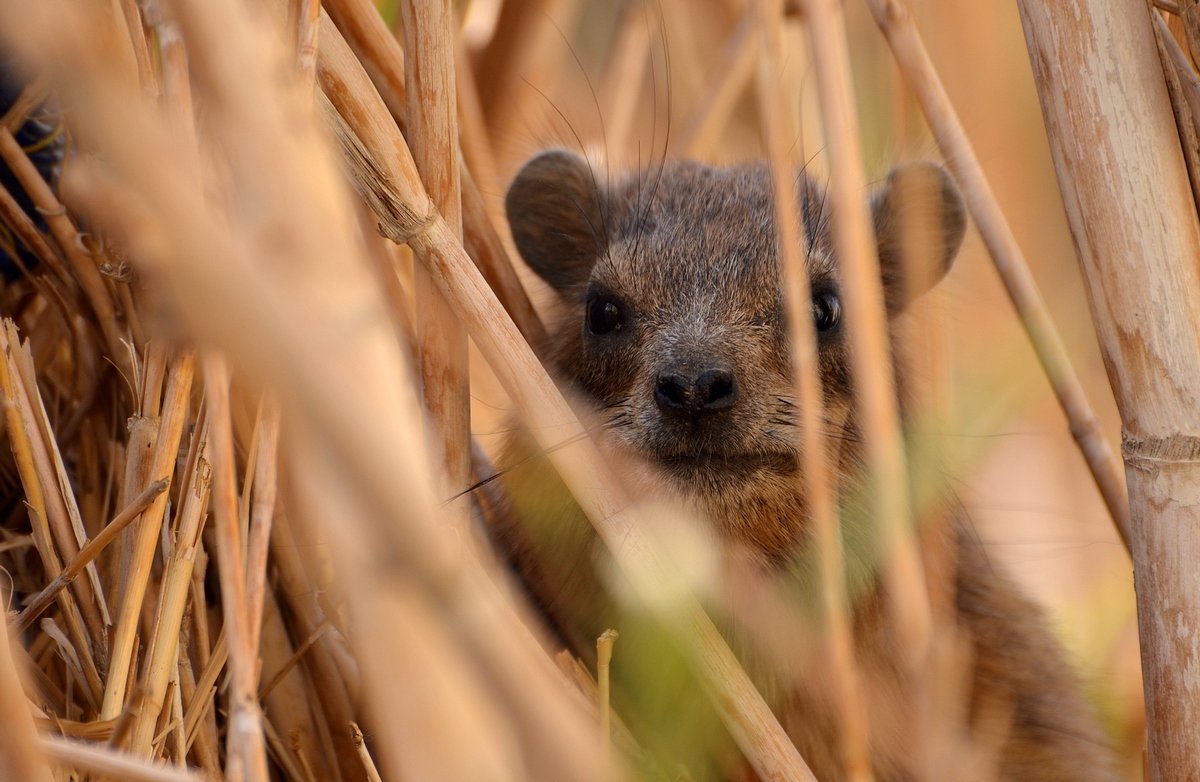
point(692, 396)
point(715, 390)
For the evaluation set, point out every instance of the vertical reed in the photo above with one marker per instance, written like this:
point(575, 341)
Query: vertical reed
point(1134, 222)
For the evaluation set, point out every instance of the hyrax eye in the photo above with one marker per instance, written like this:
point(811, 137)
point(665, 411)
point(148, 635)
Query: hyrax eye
point(604, 315)
point(827, 310)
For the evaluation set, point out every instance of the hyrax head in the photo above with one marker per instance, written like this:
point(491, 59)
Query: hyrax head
point(673, 317)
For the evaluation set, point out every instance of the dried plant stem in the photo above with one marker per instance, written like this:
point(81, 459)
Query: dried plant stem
point(378, 50)
point(137, 39)
point(66, 234)
point(851, 710)
point(1183, 84)
point(19, 756)
point(875, 394)
point(383, 63)
point(1134, 223)
point(901, 33)
point(262, 513)
point(25, 445)
point(76, 754)
point(365, 754)
point(61, 512)
point(305, 19)
point(175, 409)
point(162, 654)
point(433, 130)
point(87, 554)
point(245, 739)
point(604, 653)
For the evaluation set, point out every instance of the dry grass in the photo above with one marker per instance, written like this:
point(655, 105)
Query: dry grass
point(237, 416)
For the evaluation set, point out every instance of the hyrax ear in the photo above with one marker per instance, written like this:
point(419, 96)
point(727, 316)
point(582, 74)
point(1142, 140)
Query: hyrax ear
point(555, 208)
point(919, 224)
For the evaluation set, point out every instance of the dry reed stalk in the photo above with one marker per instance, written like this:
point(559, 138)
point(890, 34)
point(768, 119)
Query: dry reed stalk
point(334, 700)
point(703, 127)
point(62, 508)
point(853, 731)
point(380, 57)
point(905, 41)
point(432, 116)
point(19, 755)
point(162, 468)
point(245, 752)
point(65, 234)
point(1183, 84)
point(304, 17)
point(492, 255)
point(162, 656)
point(875, 394)
point(364, 753)
point(1134, 223)
point(25, 445)
point(132, 17)
point(33, 95)
point(78, 755)
point(377, 49)
point(291, 708)
point(22, 225)
point(262, 513)
point(39, 602)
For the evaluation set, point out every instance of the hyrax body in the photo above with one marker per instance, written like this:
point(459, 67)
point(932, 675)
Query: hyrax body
point(671, 326)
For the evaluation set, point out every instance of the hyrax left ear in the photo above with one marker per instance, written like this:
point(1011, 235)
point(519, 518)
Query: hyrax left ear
point(919, 224)
point(556, 209)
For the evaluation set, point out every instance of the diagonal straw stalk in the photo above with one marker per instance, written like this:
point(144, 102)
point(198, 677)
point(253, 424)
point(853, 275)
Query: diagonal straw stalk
point(875, 393)
point(823, 514)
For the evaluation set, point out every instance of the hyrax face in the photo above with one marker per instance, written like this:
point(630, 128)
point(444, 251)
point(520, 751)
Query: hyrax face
point(673, 319)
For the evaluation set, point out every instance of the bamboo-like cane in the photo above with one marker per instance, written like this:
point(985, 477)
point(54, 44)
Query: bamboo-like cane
point(433, 133)
point(1129, 205)
point(901, 33)
point(875, 394)
point(823, 514)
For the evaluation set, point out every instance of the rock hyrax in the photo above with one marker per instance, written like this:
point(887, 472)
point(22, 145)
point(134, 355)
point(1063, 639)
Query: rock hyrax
point(670, 324)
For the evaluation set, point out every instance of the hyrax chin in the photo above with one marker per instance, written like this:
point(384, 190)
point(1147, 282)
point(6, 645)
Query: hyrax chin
point(670, 325)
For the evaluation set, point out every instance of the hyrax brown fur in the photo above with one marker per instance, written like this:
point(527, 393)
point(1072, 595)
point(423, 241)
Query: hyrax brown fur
point(671, 325)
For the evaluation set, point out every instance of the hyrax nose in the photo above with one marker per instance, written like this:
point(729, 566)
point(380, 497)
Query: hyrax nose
point(695, 394)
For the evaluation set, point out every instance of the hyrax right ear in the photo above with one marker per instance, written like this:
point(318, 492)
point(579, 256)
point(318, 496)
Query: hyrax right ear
point(555, 209)
point(919, 224)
